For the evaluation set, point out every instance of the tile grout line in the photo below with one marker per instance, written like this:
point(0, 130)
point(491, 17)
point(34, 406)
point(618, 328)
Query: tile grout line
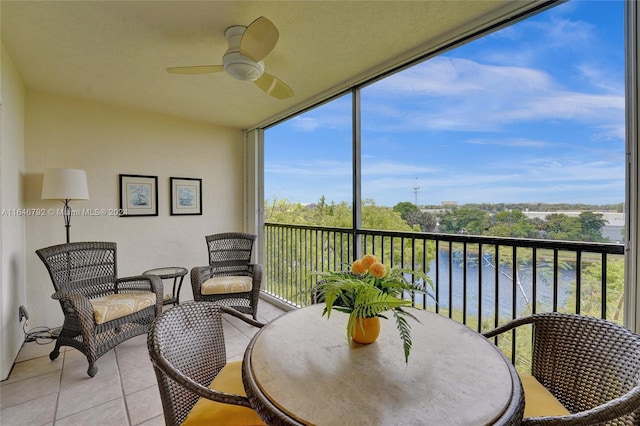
point(55, 410)
point(93, 406)
point(124, 397)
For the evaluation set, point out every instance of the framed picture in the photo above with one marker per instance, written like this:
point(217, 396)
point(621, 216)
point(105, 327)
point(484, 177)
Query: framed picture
point(138, 195)
point(186, 196)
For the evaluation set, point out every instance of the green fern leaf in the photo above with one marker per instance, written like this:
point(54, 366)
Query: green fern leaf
point(405, 333)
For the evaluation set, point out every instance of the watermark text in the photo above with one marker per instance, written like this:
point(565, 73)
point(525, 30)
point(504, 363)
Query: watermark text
point(60, 212)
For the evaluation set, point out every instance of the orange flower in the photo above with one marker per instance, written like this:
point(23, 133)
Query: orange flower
point(368, 260)
point(378, 270)
point(358, 267)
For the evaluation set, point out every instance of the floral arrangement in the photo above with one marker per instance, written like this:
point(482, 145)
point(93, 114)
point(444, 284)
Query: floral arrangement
point(369, 290)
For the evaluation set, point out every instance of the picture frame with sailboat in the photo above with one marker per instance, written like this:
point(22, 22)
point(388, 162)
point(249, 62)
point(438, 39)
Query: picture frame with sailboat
point(138, 195)
point(186, 196)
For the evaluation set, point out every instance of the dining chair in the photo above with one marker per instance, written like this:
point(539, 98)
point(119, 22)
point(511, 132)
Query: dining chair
point(100, 310)
point(197, 385)
point(230, 278)
point(584, 371)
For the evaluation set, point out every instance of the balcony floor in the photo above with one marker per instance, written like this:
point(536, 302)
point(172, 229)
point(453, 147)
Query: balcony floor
point(124, 392)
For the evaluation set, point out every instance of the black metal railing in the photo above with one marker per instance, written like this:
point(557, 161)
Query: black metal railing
point(479, 281)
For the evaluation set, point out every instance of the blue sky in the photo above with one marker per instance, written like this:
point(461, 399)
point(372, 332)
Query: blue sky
point(531, 113)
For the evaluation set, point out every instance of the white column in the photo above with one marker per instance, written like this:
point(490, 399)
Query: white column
point(632, 206)
point(254, 189)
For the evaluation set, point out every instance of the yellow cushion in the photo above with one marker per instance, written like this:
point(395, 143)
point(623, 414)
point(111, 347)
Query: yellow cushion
point(229, 284)
point(208, 412)
point(538, 401)
point(114, 306)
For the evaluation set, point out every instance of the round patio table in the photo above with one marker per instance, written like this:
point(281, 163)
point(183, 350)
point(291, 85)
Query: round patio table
point(301, 369)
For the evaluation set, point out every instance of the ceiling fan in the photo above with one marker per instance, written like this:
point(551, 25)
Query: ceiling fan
point(248, 46)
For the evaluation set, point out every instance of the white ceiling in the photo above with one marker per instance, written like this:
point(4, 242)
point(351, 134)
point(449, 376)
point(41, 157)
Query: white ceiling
point(117, 51)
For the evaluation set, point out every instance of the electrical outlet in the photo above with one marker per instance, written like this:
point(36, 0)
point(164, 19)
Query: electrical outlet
point(22, 313)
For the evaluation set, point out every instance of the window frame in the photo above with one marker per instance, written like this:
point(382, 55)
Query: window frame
point(254, 142)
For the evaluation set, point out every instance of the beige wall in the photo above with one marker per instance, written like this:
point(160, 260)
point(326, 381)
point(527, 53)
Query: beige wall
point(105, 141)
point(12, 244)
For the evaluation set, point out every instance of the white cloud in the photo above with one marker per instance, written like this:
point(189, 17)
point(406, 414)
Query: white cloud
point(306, 124)
point(597, 193)
point(464, 95)
point(581, 107)
point(333, 115)
point(514, 142)
point(537, 179)
point(325, 168)
point(447, 76)
point(600, 78)
point(309, 168)
point(609, 132)
point(384, 168)
point(559, 31)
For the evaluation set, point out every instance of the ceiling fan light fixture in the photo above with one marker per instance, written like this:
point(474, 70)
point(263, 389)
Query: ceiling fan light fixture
point(243, 59)
point(242, 68)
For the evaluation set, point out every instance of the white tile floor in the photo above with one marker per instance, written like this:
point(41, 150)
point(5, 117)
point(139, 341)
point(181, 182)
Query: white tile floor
point(123, 393)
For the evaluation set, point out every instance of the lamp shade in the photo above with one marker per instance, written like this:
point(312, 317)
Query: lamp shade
point(65, 184)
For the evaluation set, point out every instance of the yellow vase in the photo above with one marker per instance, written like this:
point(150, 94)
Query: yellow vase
point(367, 330)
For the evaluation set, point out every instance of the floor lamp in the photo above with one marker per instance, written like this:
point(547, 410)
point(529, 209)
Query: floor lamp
point(65, 185)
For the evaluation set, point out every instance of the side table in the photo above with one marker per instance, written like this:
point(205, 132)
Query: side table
point(168, 273)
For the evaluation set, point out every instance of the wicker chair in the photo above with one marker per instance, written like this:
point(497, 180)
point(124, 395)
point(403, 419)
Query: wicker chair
point(187, 350)
point(591, 366)
point(85, 276)
point(229, 259)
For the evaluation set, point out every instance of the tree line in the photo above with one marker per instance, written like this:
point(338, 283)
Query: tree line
point(497, 220)
point(587, 226)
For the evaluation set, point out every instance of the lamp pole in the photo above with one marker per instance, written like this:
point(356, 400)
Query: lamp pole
point(67, 216)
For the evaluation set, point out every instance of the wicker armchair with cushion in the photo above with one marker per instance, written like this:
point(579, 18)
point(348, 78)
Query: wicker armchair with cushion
point(584, 371)
point(100, 309)
point(230, 279)
point(197, 385)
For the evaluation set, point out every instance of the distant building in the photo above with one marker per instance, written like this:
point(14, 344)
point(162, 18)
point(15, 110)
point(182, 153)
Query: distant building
point(612, 230)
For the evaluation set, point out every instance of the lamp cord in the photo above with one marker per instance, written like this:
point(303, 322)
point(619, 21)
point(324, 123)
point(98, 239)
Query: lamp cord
point(41, 335)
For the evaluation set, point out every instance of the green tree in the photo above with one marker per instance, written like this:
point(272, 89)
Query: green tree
point(405, 208)
point(591, 225)
point(384, 218)
point(586, 227)
point(512, 224)
point(320, 214)
point(422, 221)
point(282, 211)
point(465, 220)
point(561, 227)
point(334, 215)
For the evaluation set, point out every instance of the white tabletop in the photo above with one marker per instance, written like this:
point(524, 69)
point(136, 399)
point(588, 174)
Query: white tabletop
point(304, 365)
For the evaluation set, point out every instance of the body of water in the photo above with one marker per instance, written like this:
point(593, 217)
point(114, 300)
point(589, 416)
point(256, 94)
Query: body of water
point(479, 296)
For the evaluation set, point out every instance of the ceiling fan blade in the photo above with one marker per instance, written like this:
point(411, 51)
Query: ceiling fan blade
point(196, 69)
point(259, 39)
point(273, 86)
